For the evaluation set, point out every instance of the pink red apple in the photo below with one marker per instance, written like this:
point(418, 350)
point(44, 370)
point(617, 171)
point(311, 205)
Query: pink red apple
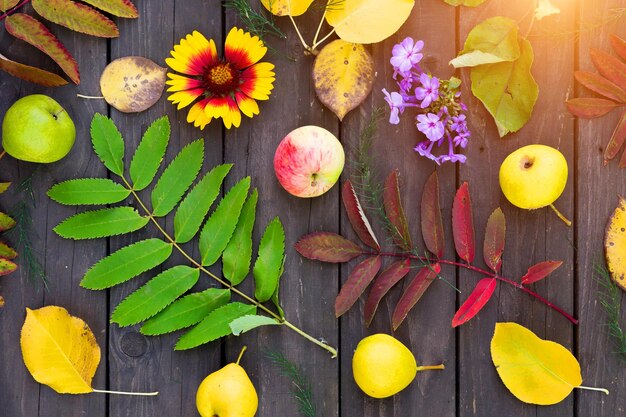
point(308, 161)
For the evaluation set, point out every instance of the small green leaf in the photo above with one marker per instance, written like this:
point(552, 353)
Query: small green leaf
point(269, 262)
point(6, 222)
point(108, 143)
point(126, 263)
point(177, 178)
point(149, 153)
point(197, 203)
point(85, 191)
point(214, 326)
point(7, 252)
point(4, 186)
point(238, 253)
point(186, 311)
point(155, 295)
point(101, 223)
point(6, 267)
point(220, 226)
point(246, 323)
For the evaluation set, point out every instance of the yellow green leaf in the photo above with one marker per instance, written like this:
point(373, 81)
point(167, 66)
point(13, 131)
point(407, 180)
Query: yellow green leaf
point(368, 21)
point(343, 74)
point(7, 4)
point(492, 41)
point(59, 350)
point(468, 3)
point(615, 244)
point(545, 8)
point(30, 74)
point(287, 7)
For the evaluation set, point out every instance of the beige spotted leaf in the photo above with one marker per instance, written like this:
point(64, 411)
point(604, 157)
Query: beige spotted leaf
point(615, 244)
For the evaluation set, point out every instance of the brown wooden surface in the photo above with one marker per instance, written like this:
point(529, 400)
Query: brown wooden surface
point(469, 386)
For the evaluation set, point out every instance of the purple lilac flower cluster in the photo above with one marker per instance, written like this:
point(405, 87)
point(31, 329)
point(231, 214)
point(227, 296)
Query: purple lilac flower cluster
point(442, 120)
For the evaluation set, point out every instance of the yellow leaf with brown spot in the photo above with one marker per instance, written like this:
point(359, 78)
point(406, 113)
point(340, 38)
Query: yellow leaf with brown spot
point(343, 74)
point(132, 84)
point(59, 350)
point(287, 7)
point(615, 244)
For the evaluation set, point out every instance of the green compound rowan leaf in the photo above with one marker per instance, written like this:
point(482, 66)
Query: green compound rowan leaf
point(108, 143)
point(155, 295)
point(77, 17)
point(186, 311)
point(149, 153)
point(237, 256)
point(126, 263)
point(177, 178)
point(246, 323)
point(215, 325)
point(120, 8)
point(101, 223)
point(269, 262)
point(84, 191)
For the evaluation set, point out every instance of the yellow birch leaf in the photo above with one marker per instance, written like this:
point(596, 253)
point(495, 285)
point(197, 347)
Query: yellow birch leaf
point(287, 7)
point(59, 350)
point(343, 74)
point(545, 8)
point(368, 21)
point(615, 244)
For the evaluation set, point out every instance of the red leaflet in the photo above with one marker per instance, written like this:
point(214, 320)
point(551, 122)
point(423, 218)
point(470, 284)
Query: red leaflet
point(327, 247)
point(76, 16)
point(590, 108)
point(432, 225)
point(619, 46)
point(357, 217)
point(6, 267)
point(493, 245)
point(463, 224)
point(622, 161)
point(600, 85)
point(387, 279)
point(475, 302)
point(540, 271)
point(609, 66)
point(357, 282)
point(30, 74)
point(413, 293)
point(617, 140)
point(31, 30)
point(395, 212)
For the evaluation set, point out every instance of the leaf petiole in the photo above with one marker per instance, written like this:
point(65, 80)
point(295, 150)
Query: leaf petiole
point(143, 394)
point(604, 390)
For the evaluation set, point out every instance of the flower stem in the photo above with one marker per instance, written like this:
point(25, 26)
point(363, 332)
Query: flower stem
point(430, 367)
point(13, 10)
point(143, 394)
point(560, 215)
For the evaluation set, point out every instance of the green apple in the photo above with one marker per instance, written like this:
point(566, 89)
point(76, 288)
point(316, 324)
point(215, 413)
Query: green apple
point(37, 129)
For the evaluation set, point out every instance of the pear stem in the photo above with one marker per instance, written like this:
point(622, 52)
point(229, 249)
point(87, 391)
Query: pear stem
point(2, 154)
point(430, 367)
point(143, 394)
point(243, 350)
point(604, 390)
point(560, 215)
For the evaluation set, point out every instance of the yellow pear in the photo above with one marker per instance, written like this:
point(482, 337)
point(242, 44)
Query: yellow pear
point(382, 366)
point(227, 392)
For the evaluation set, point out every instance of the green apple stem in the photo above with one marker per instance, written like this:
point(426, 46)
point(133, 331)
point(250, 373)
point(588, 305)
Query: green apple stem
point(143, 394)
point(604, 390)
point(430, 367)
point(243, 350)
point(560, 215)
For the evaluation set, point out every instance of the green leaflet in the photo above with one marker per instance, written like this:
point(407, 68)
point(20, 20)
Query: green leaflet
point(276, 296)
point(149, 153)
point(214, 326)
point(246, 323)
point(108, 143)
point(491, 41)
point(155, 295)
point(197, 203)
point(7, 252)
point(238, 253)
point(177, 178)
point(101, 223)
point(220, 226)
point(126, 263)
point(4, 186)
point(186, 311)
point(85, 191)
point(269, 262)
point(6, 267)
point(6, 222)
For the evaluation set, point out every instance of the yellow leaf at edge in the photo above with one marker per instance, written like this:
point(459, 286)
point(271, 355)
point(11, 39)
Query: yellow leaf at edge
point(368, 21)
point(287, 7)
point(59, 350)
point(343, 74)
point(615, 244)
point(545, 9)
point(536, 371)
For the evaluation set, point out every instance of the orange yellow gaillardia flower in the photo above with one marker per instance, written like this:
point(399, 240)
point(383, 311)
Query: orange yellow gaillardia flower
point(225, 87)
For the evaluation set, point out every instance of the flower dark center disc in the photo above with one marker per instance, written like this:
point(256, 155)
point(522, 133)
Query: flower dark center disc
point(221, 79)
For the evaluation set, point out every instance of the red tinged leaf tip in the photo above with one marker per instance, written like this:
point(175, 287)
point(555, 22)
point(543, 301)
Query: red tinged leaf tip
point(413, 293)
point(610, 67)
point(6, 267)
point(619, 46)
point(327, 247)
point(358, 280)
point(357, 217)
point(7, 252)
point(601, 85)
point(475, 302)
point(540, 271)
point(590, 108)
point(76, 16)
point(494, 240)
point(432, 224)
point(463, 224)
point(395, 212)
point(6, 222)
point(120, 8)
point(387, 279)
point(617, 140)
point(30, 74)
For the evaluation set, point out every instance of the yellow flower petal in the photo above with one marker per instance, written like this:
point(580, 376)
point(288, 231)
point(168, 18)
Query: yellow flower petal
point(197, 115)
point(193, 54)
point(247, 105)
point(243, 49)
point(185, 98)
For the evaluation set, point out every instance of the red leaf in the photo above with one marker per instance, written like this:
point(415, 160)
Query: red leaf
point(617, 140)
point(463, 224)
point(121, 8)
point(590, 108)
point(357, 217)
point(77, 17)
point(619, 46)
point(387, 279)
point(395, 212)
point(357, 282)
point(413, 293)
point(7, 4)
point(7, 252)
point(475, 302)
point(327, 247)
point(30, 30)
point(30, 74)
point(493, 245)
point(609, 66)
point(540, 271)
point(432, 225)
point(600, 85)
point(6, 222)
point(6, 267)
